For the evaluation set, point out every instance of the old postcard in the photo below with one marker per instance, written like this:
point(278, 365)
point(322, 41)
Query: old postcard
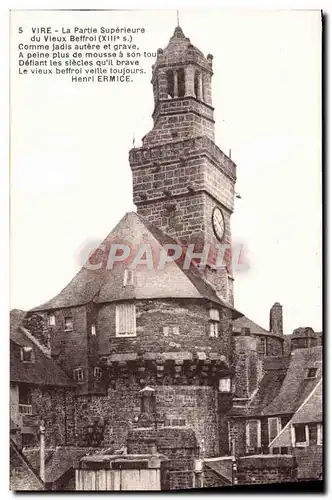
point(166, 222)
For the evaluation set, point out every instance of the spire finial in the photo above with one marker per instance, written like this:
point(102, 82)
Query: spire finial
point(177, 18)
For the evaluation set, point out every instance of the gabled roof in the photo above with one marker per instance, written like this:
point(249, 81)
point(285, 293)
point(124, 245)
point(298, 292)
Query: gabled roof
point(245, 322)
point(43, 371)
point(310, 411)
point(106, 284)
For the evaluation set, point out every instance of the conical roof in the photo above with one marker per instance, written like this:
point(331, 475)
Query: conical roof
point(180, 50)
point(106, 283)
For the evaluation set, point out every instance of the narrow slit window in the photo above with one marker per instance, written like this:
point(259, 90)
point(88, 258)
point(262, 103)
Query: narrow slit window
point(181, 82)
point(170, 84)
point(93, 329)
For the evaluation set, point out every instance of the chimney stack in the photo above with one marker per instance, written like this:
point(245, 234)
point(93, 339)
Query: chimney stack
point(276, 322)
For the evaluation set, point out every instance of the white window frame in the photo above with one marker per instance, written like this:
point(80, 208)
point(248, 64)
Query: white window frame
point(97, 372)
point(78, 374)
point(119, 309)
point(300, 444)
point(259, 437)
point(269, 424)
point(51, 320)
point(319, 434)
point(71, 328)
point(25, 350)
point(93, 329)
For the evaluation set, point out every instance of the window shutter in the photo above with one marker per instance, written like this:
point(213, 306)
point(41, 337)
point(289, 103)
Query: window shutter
point(125, 320)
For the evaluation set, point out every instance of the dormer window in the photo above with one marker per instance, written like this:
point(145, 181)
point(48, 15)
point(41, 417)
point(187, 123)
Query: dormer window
point(312, 372)
point(68, 324)
point(26, 355)
point(51, 320)
point(78, 374)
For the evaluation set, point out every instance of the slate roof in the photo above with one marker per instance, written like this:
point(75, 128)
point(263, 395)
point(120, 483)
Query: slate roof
point(43, 371)
point(310, 411)
point(285, 384)
point(269, 388)
point(23, 477)
point(245, 322)
point(296, 385)
point(106, 285)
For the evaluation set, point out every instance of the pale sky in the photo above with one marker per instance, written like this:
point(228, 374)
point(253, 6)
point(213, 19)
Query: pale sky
point(71, 179)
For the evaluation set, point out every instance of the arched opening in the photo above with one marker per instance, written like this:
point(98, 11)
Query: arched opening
point(181, 83)
point(196, 85)
point(170, 83)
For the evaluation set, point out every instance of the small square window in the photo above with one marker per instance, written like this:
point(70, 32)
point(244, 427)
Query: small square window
point(51, 320)
point(176, 330)
point(225, 384)
point(93, 329)
point(312, 373)
point(166, 330)
point(97, 372)
point(78, 374)
point(68, 324)
point(214, 327)
point(26, 354)
point(214, 314)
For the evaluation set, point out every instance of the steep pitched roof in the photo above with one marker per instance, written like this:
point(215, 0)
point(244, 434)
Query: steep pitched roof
point(23, 477)
point(43, 371)
point(269, 387)
point(245, 322)
point(310, 411)
point(296, 385)
point(106, 284)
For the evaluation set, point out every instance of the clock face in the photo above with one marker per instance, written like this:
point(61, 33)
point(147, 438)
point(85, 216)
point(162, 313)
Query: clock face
point(218, 223)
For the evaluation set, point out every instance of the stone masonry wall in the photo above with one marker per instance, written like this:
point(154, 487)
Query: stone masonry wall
point(197, 406)
point(264, 469)
point(153, 316)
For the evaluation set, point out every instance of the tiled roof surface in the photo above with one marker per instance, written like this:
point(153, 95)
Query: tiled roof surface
point(23, 477)
point(245, 322)
point(43, 371)
point(296, 385)
point(106, 284)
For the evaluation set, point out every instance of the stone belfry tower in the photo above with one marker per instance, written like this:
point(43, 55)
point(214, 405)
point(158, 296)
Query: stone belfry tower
point(182, 182)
